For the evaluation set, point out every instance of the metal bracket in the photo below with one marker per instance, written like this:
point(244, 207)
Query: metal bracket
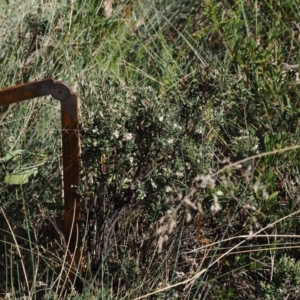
point(71, 152)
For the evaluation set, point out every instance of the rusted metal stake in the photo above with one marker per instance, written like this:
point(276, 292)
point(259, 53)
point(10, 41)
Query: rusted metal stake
point(71, 152)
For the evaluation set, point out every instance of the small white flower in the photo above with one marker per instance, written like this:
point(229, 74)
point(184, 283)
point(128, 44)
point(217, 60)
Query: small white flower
point(154, 185)
point(219, 193)
point(215, 207)
point(128, 136)
point(161, 118)
point(116, 134)
point(179, 274)
point(254, 148)
point(176, 126)
point(199, 130)
point(168, 189)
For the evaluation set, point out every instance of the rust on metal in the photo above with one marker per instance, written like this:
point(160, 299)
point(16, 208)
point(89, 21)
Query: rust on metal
point(71, 164)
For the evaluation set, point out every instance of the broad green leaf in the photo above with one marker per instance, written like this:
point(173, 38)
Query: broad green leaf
point(10, 154)
point(20, 178)
point(273, 196)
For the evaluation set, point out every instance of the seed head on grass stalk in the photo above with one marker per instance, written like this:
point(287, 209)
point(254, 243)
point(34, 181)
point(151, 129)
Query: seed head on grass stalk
point(168, 222)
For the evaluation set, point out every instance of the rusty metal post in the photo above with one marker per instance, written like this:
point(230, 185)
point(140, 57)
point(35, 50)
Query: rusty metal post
point(71, 164)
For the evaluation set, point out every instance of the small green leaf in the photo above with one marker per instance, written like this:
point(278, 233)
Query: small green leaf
point(20, 178)
point(126, 183)
point(273, 196)
point(10, 154)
